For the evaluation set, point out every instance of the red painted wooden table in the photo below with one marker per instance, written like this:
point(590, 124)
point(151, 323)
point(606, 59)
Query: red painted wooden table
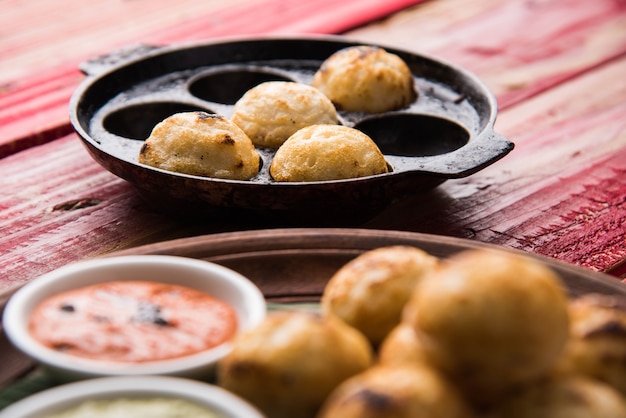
point(557, 68)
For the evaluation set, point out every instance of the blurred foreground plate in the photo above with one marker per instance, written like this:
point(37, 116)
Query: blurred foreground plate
point(294, 264)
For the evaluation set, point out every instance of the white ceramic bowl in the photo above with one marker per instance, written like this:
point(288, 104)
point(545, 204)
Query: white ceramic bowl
point(220, 282)
point(63, 397)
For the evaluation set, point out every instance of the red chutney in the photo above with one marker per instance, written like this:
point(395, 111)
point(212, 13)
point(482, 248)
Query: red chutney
point(132, 321)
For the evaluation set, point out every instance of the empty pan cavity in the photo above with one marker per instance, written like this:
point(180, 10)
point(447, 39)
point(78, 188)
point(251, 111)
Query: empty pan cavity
point(413, 135)
point(138, 120)
point(227, 84)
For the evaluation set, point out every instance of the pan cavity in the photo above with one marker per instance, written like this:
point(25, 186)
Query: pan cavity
point(413, 135)
point(227, 84)
point(137, 121)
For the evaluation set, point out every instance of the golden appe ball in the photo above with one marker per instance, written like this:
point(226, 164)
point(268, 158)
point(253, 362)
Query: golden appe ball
point(396, 392)
point(366, 79)
point(272, 111)
point(201, 144)
point(327, 152)
point(370, 291)
point(491, 320)
point(290, 363)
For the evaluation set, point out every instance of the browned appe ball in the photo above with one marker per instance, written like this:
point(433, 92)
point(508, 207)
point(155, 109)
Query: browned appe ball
point(396, 392)
point(370, 291)
point(201, 144)
point(491, 320)
point(288, 364)
point(366, 79)
point(327, 152)
point(271, 112)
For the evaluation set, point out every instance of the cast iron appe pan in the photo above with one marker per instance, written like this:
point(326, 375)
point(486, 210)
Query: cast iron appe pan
point(446, 133)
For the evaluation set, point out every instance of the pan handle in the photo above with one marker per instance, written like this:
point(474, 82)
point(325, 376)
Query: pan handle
point(97, 65)
point(478, 153)
point(484, 150)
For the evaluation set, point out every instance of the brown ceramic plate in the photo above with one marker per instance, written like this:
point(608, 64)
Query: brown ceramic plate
point(447, 132)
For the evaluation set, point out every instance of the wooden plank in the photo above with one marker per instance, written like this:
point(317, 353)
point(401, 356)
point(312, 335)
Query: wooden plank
point(33, 104)
point(39, 34)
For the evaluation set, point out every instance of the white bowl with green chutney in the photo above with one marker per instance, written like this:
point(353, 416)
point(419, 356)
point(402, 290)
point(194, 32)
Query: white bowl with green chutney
point(133, 396)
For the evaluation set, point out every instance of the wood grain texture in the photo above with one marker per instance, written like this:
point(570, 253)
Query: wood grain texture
point(40, 34)
point(559, 193)
point(80, 211)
